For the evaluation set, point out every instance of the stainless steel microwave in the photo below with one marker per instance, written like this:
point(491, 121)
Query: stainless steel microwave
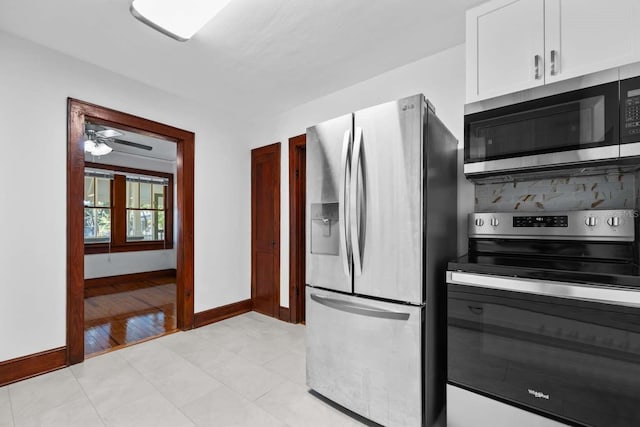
point(587, 121)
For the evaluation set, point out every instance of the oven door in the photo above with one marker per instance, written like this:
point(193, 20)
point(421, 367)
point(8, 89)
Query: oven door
point(565, 350)
point(567, 128)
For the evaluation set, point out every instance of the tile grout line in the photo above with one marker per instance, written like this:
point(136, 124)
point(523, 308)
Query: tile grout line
point(247, 360)
point(45, 375)
point(160, 391)
point(144, 378)
point(88, 398)
point(13, 417)
point(252, 402)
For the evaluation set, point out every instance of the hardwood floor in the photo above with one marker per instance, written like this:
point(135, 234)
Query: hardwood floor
point(119, 315)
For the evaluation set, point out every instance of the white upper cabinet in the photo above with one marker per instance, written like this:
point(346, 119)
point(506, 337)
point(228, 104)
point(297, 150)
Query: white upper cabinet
point(514, 45)
point(583, 36)
point(505, 45)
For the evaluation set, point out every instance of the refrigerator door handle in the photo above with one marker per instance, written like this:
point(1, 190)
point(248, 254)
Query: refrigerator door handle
point(356, 308)
point(356, 193)
point(343, 214)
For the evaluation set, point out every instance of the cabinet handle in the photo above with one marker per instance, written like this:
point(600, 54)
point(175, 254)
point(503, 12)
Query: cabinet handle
point(536, 67)
point(554, 58)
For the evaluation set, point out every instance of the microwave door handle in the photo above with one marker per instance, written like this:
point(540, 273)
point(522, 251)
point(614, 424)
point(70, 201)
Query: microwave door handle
point(343, 212)
point(354, 199)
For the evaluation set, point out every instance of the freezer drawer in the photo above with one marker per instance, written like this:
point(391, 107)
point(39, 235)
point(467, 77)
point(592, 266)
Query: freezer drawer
point(366, 355)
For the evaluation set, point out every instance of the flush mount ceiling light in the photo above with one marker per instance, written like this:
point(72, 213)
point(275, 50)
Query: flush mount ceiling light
point(179, 19)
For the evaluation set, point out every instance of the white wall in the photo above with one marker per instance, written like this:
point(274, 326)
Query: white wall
point(102, 265)
point(117, 263)
point(440, 77)
point(34, 85)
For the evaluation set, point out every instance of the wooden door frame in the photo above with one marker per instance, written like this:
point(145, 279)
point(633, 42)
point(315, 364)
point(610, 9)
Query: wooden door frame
point(297, 252)
point(275, 149)
point(77, 112)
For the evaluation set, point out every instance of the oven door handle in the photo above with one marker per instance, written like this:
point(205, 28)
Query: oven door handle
point(575, 291)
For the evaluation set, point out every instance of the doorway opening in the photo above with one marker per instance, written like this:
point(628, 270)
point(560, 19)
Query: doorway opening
point(123, 206)
point(297, 249)
point(130, 261)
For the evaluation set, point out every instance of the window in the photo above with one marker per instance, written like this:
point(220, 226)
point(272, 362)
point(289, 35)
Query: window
point(145, 209)
point(127, 209)
point(97, 207)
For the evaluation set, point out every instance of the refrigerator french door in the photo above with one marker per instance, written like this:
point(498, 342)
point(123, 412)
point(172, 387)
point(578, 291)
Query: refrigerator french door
point(373, 262)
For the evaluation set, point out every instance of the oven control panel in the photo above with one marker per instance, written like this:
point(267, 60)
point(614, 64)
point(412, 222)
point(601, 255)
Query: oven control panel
point(541, 221)
point(600, 225)
point(630, 110)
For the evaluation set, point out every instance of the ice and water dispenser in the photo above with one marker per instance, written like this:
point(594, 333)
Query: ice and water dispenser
point(325, 238)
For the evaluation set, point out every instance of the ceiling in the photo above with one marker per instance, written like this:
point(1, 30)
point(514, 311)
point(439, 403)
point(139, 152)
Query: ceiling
point(271, 54)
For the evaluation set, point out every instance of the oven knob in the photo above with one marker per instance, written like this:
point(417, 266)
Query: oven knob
point(479, 222)
point(495, 222)
point(614, 221)
point(591, 221)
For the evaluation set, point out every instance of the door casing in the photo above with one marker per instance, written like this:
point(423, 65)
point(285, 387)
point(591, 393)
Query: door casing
point(297, 249)
point(77, 113)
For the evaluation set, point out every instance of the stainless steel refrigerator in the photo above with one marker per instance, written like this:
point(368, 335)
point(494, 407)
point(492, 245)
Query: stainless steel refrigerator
point(381, 226)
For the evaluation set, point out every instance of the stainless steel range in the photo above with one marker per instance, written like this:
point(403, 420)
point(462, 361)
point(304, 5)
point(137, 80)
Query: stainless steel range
point(544, 314)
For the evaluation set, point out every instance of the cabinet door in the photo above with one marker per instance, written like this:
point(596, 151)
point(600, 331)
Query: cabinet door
point(505, 47)
point(584, 36)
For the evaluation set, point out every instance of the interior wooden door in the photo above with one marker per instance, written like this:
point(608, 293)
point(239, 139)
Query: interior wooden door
point(265, 229)
point(297, 203)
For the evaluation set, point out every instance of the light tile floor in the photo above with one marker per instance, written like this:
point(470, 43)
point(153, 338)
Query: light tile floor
point(245, 371)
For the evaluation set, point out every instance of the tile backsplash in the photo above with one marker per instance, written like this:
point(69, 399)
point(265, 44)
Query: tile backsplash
point(607, 191)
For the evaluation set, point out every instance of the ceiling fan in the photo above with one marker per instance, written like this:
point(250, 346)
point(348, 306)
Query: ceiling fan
point(99, 136)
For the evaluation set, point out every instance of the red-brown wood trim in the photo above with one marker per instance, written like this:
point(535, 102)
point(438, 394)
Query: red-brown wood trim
point(118, 214)
point(284, 314)
point(185, 255)
point(75, 235)
point(103, 248)
point(220, 313)
point(34, 364)
point(296, 228)
point(273, 148)
point(123, 278)
point(78, 112)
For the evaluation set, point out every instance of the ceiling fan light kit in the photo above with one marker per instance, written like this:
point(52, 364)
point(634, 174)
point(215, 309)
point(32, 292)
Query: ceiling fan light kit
point(95, 146)
point(101, 149)
point(178, 19)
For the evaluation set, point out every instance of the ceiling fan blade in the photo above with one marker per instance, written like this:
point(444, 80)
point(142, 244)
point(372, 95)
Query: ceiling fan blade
point(131, 144)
